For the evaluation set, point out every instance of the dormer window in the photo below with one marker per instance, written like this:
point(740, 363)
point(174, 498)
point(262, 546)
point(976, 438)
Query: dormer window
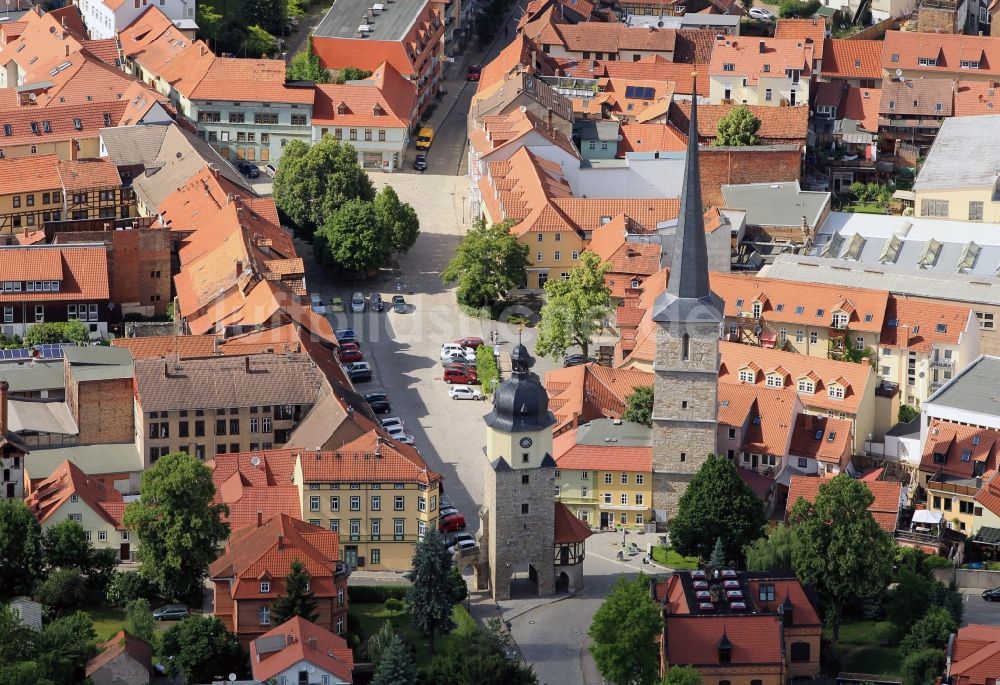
point(840, 319)
point(729, 66)
point(757, 307)
point(835, 392)
point(342, 108)
point(970, 64)
point(767, 68)
point(725, 649)
point(377, 110)
point(807, 386)
point(774, 380)
point(928, 61)
point(939, 457)
point(747, 376)
point(265, 587)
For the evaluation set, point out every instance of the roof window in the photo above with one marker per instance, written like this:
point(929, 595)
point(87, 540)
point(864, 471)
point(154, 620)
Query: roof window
point(966, 455)
point(820, 312)
point(895, 57)
point(800, 311)
point(832, 436)
point(941, 328)
point(780, 308)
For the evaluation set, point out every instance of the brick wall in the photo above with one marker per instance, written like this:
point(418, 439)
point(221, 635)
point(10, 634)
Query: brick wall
point(104, 411)
point(764, 164)
point(935, 20)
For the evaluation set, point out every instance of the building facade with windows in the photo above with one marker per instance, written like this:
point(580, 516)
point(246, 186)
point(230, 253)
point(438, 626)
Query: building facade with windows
point(300, 651)
point(105, 18)
point(604, 473)
point(377, 494)
point(250, 573)
point(46, 283)
point(219, 405)
point(773, 72)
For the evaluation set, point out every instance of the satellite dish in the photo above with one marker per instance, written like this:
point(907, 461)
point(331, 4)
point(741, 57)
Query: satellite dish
point(232, 677)
point(255, 461)
point(899, 73)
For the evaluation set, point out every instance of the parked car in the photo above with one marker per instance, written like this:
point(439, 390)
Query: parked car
point(463, 546)
point(359, 372)
point(270, 170)
point(379, 402)
point(991, 595)
point(399, 435)
point(248, 170)
point(317, 304)
point(350, 355)
point(376, 302)
point(425, 137)
point(459, 374)
point(473, 72)
point(350, 341)
point(761, 14)
point(459, 356)
point(472, 342)
point(464, 392)
point(171, 612)
point(576, 360)
point(452, 348)
point(337, 304)
point(391, 421)
point(357, 303)
point(450, 524)
point(458, 537)
point(447, 511)
point(398, 304)
point(345, 333)
point(420, 163)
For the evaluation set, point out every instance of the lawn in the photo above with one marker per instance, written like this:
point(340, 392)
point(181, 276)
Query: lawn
point(668, 556)
point(109, 620)
point(373, 616)
point(859, 650)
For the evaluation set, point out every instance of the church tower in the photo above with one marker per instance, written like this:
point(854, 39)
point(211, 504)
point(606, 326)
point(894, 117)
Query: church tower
point(518, 515)
point(688, 319)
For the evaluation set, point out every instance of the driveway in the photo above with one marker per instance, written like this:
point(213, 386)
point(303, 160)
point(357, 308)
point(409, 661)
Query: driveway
point(978, 610)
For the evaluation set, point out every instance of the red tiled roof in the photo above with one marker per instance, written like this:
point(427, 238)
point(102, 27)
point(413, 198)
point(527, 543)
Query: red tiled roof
point(777, 124)
point(962, 448)
point(305, 642)
point(833, 444)
point(861, 104)
point(120, 643)
point(694, 639)
point(372, 458)
point(801, 29)
point(742, 405)
point(256, 484)
point(852, 59)
point(976, 655)
point(591, 391)
point(649, 68)
point(923, 325)
point(384, 100)
point(570, 455)
point(568, 528)
point(61, 122)
point(976, 97)
point(68, 480)
point(884, 508)
point(247, 79)
point(81, 270)
point(753, 63)
point(828, 94)
point(905, 49)
point(651, 138)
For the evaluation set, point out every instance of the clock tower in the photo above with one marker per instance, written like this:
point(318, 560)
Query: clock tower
point(518, 514)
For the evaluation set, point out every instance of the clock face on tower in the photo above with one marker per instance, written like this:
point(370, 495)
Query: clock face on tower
point(525, 443)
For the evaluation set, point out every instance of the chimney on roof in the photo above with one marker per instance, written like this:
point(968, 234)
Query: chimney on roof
point(4, 387)
point(761, 45)
point(166, 369)
point(311, 642)
point(202, 50)
point(260, 518)
point(281, 542)
point(67, 49)
point(246, 360)
point(63, 20)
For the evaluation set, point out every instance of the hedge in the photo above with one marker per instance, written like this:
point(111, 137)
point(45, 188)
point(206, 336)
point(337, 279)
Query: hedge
point(375, 594)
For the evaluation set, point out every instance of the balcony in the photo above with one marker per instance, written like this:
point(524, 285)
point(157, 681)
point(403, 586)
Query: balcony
point(342, 571)
point(942, 363)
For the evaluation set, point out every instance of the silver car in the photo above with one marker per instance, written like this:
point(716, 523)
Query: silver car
point(357, 303)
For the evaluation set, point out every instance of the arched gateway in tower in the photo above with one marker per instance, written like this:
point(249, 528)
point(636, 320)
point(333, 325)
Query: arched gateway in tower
point(521, 523)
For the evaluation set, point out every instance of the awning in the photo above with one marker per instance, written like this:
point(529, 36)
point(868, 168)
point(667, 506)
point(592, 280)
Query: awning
point(768, 338)
point(988, 536)
point(924, 516)
point(905, 195)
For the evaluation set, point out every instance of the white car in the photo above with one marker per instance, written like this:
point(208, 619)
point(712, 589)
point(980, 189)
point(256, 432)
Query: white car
point(761, 13)
point(317, 304)
point(357, 303)
point(391, 421)
point(399, 435)
point(463, 546)
point(464, 392)
point(449, 351)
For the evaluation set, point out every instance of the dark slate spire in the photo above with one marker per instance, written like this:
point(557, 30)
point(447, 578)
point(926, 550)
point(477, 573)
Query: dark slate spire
point(688, 288)
point(520, 403)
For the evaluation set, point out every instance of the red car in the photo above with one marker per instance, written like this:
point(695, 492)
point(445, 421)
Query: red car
point(349, 355)
point(470, 342)
point(451, 523)
point(473, 72)
point(459, 373)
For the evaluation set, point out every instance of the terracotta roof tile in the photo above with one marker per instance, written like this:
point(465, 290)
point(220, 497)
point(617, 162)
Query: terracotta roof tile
point(568, 528)
point(975, 98)
point(921, 326)
point(753, 63)
point(777, 124)
point(651, 138)
point(833, 446)
point(976, 655)
point(570, 455)
point(120, 643)
point(768, 413)
point(372, 458)
point(861, 104)
point(959, 451)
point(917, 97)
point(800, 29)
point(236, 78)
point(385, 99)
point(87, 174)
point(828, 94)
point(694, 639)
point(694, 46)
point(256, 483)
point(61, 121)
point(105, 49)
point(305, 642)
point(81, 270)
point(591, 391)
point(884, 508)
point(905, 49)
point(68, 480)
point(852, 59)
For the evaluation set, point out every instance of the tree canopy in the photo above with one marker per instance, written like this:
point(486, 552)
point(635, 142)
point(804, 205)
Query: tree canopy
point(433, 593)
point(717, 504)
point(395, 667)
point(398, 219)
point(682, 675)
point(199, 648)
point(639, 406)
point(838, 547)
point(488, 263)
point(178, 526)
point(298, 599)
point(351, 74)
point(62, 589)
point(575, 308)
point(57, 332)
point(305, 66)
point(66, 546)
point(771, 553)
point(21, 558)
point(738, 127)
point(623, 633)
point(353, 239)
point(139, 619)
point(479, 658)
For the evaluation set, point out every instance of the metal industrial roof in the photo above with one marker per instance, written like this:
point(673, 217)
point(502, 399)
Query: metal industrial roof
point(973, 389)
point(33, 376)
point(93, 460)
point(391, 23)
point(938, 285)
point(776, 204)
point(963, 154)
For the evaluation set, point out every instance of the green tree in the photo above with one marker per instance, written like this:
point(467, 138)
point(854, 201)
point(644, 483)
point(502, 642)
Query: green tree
point(259, 42)
point(62, 589)
point(747, 5)
point(395, 667)
point(433, 594)
point(103, 563)
point(199, 648)
point(717, 504)
point(922, 667)
point(178, 526)
point(738, 127)
point(931, 631)
point(353, 239)
point(139, 619)
point(797, 8)
point(128, 585)
point(907, 413)
point(949, 597)
point(838, 547)
point(21, 557)
point(298, 599)
point(268, 15)
point(398, 218)
point(478, 658)
point(486, 368)
point(209, 21)
point(56, 332)
point(718, 558)
point(771, 553)
point(639, 406)
point(376, 645)
point(351, 74)
point(64, 645)
point(908, 601)
point(298, 8)
point(488, 263)
point(22, 672)
point(682, 675)
point(575, 308)
point(623, 631)
point(66, 546)
point(17, 641)
point(305, 66)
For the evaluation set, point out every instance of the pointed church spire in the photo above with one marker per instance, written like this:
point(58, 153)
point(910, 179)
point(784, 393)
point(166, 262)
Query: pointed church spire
point(689, 265)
